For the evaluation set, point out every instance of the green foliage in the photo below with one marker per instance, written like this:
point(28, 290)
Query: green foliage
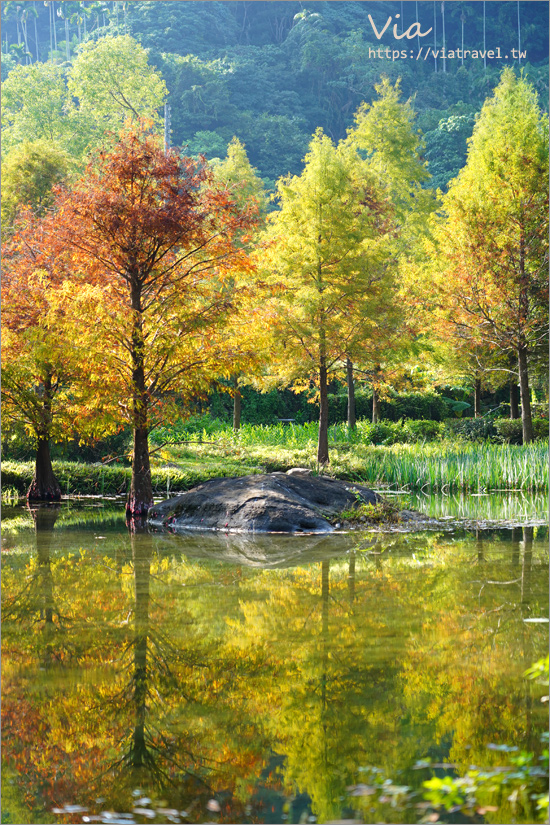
point(431, 465)
point(237, 174)
point(446, 148)
point(523, 781)
point(384, 132)
point(29, 173)
point(490, 261)
point(417, 405)
point(383, 512)
point(395, 406)
point(215, 449)
point(473, 429)
point(10, 495)
point(34, 106)
point(510, 431)
point(76, 478)
point(113, 82)
point(265, 407)
point(76, 109)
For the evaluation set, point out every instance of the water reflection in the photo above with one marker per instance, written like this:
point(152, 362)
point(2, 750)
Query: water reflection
point(518, 509)
point(251, 679)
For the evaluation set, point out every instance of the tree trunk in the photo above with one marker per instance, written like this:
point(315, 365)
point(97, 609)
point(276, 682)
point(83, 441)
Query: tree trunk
point(36, 39)
point(351, 395)
point(519, 35)
point(44, 517)
point(435, 50)
point(54, 29)
point(484, 45)
point(44, 486)
point(375, 406)
point(236, 404)
point(444, 42)
point(526, 636)
point(322, 445)
point(477, 398)
point(325, 593)
point(141, 489)
point(514, 400)
point(526, 420)
point(515, 540)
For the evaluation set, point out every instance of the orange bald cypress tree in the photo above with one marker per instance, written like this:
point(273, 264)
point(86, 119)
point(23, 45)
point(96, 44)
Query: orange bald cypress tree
point(157, 258)
point(35, 373)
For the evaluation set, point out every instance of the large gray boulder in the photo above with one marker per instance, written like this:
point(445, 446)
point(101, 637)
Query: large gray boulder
point(270, 503)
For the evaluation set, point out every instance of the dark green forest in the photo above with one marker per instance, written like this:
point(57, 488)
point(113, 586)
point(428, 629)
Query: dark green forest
point(270, 73)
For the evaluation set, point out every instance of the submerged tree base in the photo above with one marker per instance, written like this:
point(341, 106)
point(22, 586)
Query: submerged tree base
point(44, 486)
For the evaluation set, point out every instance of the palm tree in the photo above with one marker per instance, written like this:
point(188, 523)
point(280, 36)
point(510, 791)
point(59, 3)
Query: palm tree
point(17, 50)
point(24, 17)
point(462, 21)
point(53, 34)
point(35, 17)
point(443, 20)
point(435, 35)
point(13, 8)
point(460, 12)
point(484, 50)
point(519, 35)
point(62, 13)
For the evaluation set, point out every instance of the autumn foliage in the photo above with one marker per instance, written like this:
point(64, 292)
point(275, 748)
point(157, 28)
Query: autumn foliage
point(153, 266)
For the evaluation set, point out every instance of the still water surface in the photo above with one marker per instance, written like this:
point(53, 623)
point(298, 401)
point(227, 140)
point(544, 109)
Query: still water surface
point(237, 679)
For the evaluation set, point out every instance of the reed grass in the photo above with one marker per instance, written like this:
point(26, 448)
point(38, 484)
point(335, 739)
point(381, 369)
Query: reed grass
point(447, 467)
point(434, 466)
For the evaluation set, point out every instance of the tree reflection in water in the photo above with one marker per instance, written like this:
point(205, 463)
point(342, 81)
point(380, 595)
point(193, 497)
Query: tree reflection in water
point(223, 683)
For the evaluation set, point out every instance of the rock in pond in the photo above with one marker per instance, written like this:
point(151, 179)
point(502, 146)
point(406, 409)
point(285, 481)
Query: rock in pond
point(268, 503)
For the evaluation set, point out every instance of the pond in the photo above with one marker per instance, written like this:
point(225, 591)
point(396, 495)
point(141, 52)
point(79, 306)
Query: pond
point(151, 677)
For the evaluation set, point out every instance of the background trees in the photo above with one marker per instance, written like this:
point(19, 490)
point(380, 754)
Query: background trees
point(113, 82)
point(325, 246)
point(256, 71)
point(492, 258)
point(78, 109)
point(29, 174)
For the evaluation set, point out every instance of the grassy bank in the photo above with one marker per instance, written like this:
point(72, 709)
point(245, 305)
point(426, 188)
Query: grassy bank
point(431, 466)
point(429, 462)
point(76, 478)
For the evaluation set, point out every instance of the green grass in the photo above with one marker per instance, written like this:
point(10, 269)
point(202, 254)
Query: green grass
point(217, 450)
point(432, 466)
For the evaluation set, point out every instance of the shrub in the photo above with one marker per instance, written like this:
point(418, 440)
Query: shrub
point(424, 430)
point(540, 427)
point(264, 408)
point(510, 430)
point(472, 429)
point(415, 405)
point(399, 432)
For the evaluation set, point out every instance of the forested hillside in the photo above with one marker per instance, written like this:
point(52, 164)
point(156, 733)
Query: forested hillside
point(270, 73)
